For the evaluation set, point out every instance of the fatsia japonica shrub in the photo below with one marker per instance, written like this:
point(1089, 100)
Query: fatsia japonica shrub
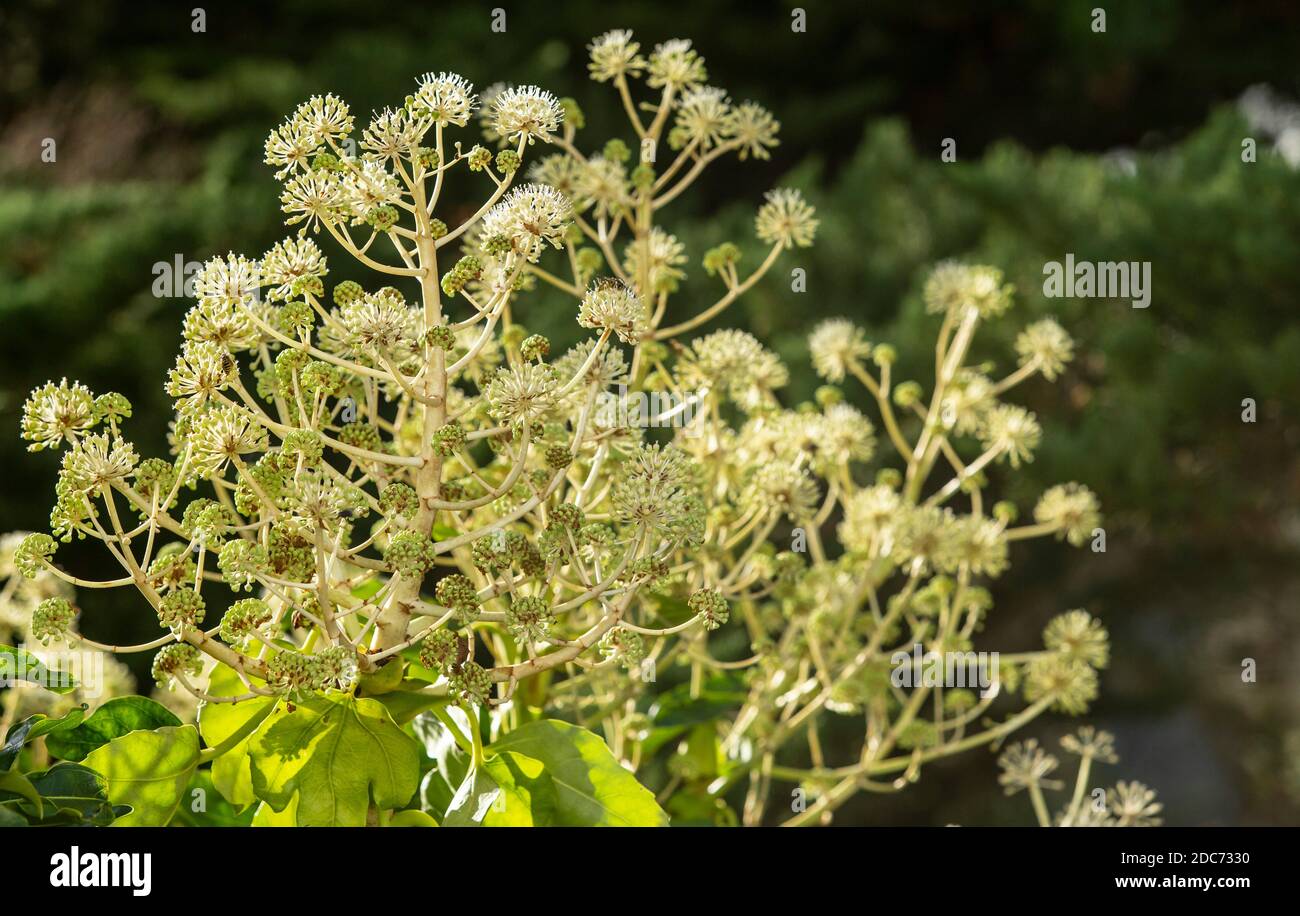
point(410, 559)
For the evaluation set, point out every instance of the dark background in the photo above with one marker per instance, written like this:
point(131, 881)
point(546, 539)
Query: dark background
point(1122, 145)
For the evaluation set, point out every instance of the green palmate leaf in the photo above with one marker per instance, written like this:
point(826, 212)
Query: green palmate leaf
point(21, 665)
point(335, 755)
point(117, 717)
point(591, 788)
point(231, 772)
point(148, 770)
point(34, 727)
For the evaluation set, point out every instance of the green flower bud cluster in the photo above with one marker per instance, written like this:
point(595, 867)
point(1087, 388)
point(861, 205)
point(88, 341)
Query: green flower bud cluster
point(448, 439)
point(458, 593)
point(410, 554)
point(466, 269)
point(32, 555)
point(535, 346)
point(242, 562)
point(709, 605)
point(528, 619)
point(625, 645)
point(347, 292)
point(441, 651)
point(507, 161)
point(179, 659)
point(181, 608)
point(242, 618)
point(52, 620)
point(441, 337)
point(399, 499)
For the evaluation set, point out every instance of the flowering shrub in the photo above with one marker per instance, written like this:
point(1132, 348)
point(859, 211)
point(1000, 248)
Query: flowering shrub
point(390, 516)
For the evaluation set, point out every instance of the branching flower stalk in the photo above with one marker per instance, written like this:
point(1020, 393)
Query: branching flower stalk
point(418, 499)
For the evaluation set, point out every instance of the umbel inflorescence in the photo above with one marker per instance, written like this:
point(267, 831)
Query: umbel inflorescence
point(407, 491)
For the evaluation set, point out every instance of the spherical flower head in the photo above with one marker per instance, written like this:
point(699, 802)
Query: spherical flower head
point(54, 414)
point(181, 608)
point(753, 129)
point(613, 55)
point(291, 264)
point(313, 198)
point(559, 171)
point(526, 112)
point(177, 660)
point(845, 435)
point(921, 533)
point(530, 218)
point(52, 621)
point(324, 118)
point(675, 64)
point(202, 369)
point(612, 305)
point(1069, 683)
point(601, 183)
point(709, 605)
point(835, 344)
point(529, 619)
point(954, 287)
point(657, 256)
point(243, 618)
point(976, 543)
point(783, 488)
point(96, 462)
point(656, 488)
point(290, 146)
point(394, 133)
point(440, 650)
point(233, 280)
point(1013, 431)
point(1046, 345)
point(703, 118)
point(1134, 805)
point(369, 192)
point(1091, 743)
point(231, 327)
point(221, 435)
point(786, 219)
point(1072, 509)
point(1025, 765)
point(1078, 636)
point(868, 515)
point(444, 98)
point(522, 393)
point(736, 363)
point(379, 321)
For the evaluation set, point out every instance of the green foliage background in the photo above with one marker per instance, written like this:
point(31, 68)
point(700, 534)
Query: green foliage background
point(159, 134)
